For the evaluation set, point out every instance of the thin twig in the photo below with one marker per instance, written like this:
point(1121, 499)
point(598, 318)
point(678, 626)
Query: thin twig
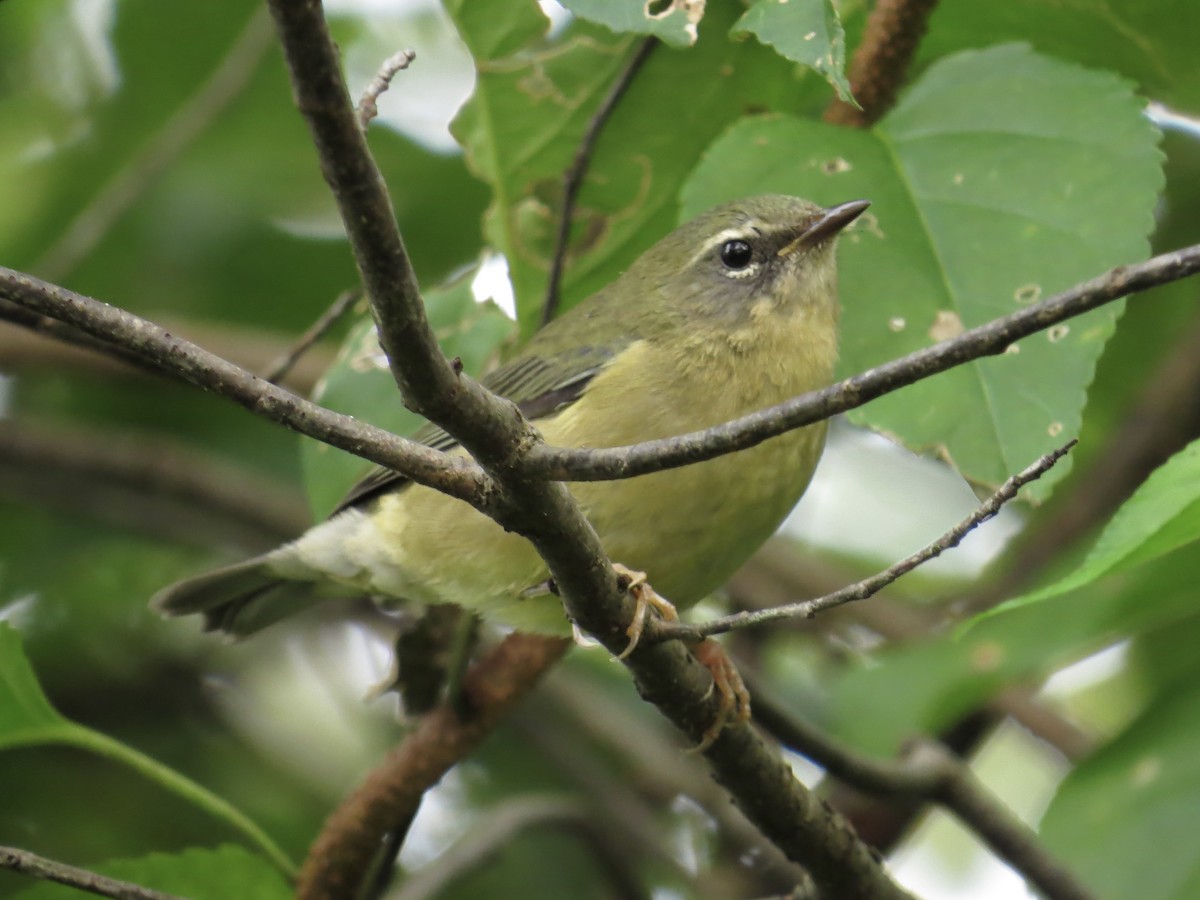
point(278, 369)
point(368, 105)
point(500, 827)
point(987, 340)
point(573, 177)
point(81, 879)
point(929, 772)
point(31, 341)
point(660, 630)
point(160, 152)
point(894, 30)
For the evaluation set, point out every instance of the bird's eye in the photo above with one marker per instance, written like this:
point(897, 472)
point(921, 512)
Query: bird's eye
point(736, 254)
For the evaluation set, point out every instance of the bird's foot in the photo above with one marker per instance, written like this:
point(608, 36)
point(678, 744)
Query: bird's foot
point(727, 682)
point(645, 598)
point(731, 690)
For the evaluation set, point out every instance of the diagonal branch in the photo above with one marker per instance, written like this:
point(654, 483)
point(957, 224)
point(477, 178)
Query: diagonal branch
point(573, 177)
point(139, 339)
point(660, 630)
point(929, 772)
point(544, 512)
point(986, 340)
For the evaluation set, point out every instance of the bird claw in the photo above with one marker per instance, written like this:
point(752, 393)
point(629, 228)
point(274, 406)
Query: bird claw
point(727, 682)
point(645, 598)
point(734, 699)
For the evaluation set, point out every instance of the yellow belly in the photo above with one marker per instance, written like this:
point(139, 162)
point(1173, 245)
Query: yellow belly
point(687, 528)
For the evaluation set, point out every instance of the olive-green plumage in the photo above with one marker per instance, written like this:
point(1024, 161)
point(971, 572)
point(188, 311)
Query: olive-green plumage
point(732, 312)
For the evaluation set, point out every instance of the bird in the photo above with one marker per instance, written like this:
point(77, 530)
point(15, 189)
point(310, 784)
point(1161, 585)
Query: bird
point(733, 311)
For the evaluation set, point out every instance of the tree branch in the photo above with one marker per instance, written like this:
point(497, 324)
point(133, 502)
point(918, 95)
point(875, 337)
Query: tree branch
point(393, 790)
point(930, 773)
point(494, 432)
point(661, 630)
point(81, 879)
point(894, 29)
point(573, 177)
point(342, 304)
point(368, 104)
point(986, 340)
point(148, 342)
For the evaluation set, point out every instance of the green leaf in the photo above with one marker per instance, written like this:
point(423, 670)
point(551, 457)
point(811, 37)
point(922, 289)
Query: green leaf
point(1001, 177)
point(672, 21)
point(1125, 818)
point(925, 685)
point(360, 383)
point(196, 874)
point(1162, 515)
point(805, 31)
point(522, 127)
point(1151, 41)
point(27, 719)
point(26, 716)
point(493, 33)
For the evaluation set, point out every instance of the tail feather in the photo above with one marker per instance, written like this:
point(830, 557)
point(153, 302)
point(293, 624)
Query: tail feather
point(239, 599)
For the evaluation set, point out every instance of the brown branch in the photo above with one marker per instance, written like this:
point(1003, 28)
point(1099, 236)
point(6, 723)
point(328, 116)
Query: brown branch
point(573, 177)
point(81, 879)
point(148, 484)
point(368, 104)
point(34, 342)
point(160, 152)
point(281, 366)
point(393, 790)
point(990, 339)
point(544, 512)
point(661, 630)
point(160, 349)
point(894, 29)
point(929, 773)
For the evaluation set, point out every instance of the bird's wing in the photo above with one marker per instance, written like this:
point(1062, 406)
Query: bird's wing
point(541, 384)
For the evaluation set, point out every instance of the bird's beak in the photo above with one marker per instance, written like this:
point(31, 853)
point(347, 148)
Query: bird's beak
point(826, 224)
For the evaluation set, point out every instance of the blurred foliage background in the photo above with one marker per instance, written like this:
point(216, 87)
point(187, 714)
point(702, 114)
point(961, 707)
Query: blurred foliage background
point(151, 157)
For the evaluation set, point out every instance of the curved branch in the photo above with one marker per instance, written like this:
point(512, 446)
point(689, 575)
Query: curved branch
point(573, 177)
point(142, 339)
point(662, 630)
point(494, 432)
point(986, 340)
point(931, 773)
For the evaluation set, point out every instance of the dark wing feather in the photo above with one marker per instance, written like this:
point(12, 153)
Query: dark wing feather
point(539, 385)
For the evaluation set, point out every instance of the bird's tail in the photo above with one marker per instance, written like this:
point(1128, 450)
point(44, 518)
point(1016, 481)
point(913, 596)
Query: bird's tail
point(237, 600)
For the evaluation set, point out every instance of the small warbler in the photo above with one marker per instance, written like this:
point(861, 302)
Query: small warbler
point(732, 312)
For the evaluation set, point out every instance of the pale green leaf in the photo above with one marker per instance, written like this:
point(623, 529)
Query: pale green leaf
point(671, 21)
point(1125, 818)
point(1161, 516)
point(806, 31)
point(1001, 177)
